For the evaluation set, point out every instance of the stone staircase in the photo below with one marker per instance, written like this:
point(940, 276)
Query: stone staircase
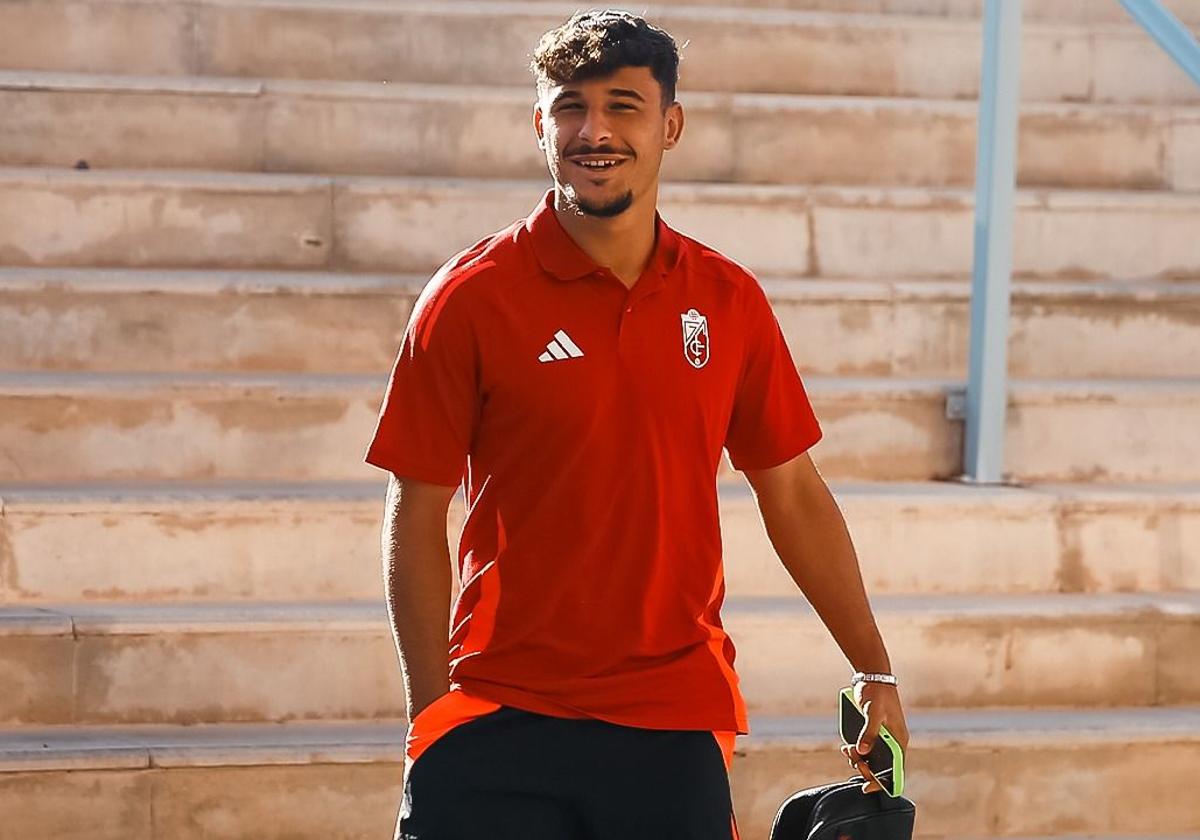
point(202, 289)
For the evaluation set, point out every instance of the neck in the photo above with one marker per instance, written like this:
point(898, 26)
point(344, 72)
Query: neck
point(623, 244)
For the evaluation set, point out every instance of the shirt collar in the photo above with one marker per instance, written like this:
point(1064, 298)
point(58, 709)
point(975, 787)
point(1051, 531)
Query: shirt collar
point(563, 259)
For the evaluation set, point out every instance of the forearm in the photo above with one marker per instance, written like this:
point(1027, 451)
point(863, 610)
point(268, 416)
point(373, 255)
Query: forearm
point(417, 585)
point(810, 536)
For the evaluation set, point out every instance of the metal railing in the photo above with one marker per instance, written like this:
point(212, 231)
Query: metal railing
point(995, 183)
point(1171, 35)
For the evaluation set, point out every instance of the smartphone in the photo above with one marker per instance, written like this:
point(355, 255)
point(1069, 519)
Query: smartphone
point(885, 759)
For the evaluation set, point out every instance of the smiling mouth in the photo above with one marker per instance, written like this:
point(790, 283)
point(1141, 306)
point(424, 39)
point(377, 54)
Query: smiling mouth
point(597, 170)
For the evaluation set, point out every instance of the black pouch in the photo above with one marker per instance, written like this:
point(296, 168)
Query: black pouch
point(841, 811)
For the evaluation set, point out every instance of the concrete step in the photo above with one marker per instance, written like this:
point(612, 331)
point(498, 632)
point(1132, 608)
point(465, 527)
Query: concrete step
point(489, 43)
point(1065, 11)
point(275, 781)
point(991, 773)
point(243, 220)
point(95, 426)
point(197, 663)
point(372, 129)
point(181, 320)
point(1076, 329)
point(276, 542)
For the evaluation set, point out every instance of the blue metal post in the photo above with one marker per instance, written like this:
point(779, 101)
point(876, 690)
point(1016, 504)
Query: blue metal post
point(995, 182)
point(1170, 34)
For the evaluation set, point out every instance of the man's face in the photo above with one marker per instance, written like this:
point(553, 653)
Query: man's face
point(618, 118)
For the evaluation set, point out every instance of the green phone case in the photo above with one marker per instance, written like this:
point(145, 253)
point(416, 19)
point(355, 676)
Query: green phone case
point(885, 737)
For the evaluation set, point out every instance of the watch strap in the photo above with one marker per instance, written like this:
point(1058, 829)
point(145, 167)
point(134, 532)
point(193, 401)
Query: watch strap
point(859, 676)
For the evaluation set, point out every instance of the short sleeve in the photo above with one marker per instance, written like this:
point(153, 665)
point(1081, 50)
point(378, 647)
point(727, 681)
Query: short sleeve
point(429, 411)
point(772, 419)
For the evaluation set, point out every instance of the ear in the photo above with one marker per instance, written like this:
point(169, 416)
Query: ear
point(537, 123)
point(674, 125)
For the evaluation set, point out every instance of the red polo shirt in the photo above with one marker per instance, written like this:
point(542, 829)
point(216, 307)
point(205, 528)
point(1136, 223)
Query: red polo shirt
point(587, 420)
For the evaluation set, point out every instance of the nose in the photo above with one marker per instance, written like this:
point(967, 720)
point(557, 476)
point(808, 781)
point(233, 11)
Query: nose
point(594, 130)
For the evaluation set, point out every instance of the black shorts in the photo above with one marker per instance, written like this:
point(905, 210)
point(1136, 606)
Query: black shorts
point(512, 774)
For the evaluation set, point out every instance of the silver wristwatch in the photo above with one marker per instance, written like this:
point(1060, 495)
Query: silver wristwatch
point(859, 676)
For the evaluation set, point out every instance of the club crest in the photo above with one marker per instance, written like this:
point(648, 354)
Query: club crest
point(695, 338)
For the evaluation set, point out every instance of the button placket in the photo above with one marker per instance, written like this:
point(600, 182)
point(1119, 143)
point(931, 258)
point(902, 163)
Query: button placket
point(624, 314)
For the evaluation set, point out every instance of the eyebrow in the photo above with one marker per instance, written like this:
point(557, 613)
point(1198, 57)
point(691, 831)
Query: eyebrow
point(574, 94)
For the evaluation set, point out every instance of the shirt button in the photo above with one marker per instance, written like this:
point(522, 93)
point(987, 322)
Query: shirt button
point(629, 309)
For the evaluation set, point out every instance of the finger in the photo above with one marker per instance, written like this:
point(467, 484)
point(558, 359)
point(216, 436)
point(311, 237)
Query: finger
point(870, 785)
point(873, 784)
point(870, 730)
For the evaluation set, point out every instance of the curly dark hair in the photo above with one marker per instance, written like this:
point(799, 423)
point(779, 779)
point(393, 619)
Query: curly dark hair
point(595, 43)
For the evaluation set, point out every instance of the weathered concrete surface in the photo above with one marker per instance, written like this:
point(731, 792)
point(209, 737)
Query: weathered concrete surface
point(192, 543)
point(60, 427)
point(1053, 425)
point(201, 220)
point(1077, 329)
point(137, 661)
point(308, 800)
point(1073, 11)
point(338, 801)
point(141, 429)
point(189, 663)
point(151, 320)
point(999, 779)
point(975, 774)
point(943, 538)
point(51, 217)
point(456, 131)
point(796, 52)
point(929, 233)
point(143, 663)
point(139, 122)
point(36, 662)
point(63, 427)
point(109, 804)
point(144, 320)
point(279, 542)
point(94, 37)
point(972, 652)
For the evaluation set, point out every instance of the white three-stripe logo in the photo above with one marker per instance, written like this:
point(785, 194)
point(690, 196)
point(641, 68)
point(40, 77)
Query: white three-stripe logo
point(560, 347)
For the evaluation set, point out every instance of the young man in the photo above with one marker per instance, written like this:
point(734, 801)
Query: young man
point(582, 370)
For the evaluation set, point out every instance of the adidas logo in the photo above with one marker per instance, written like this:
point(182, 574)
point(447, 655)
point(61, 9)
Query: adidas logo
point(560, 347)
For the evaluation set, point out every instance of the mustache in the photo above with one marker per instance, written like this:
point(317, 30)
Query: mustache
point(614, 152)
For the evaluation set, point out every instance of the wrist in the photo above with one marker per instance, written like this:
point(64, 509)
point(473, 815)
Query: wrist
point(871, 659)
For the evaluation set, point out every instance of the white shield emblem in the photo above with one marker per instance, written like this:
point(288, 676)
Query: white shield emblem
point(695, 338)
